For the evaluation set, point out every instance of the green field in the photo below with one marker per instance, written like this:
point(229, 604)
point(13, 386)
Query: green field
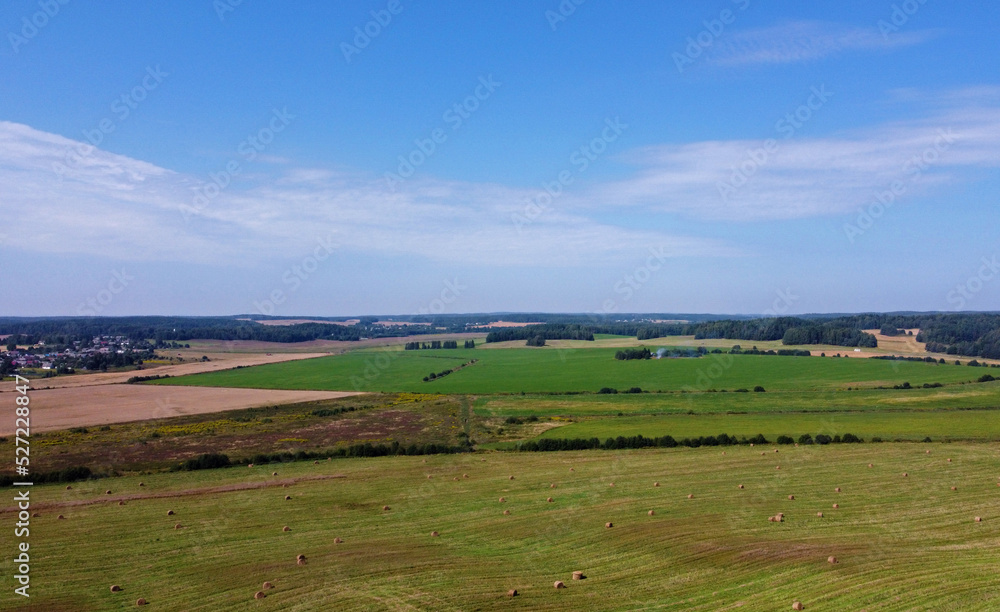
point(554, 370)
point(938, 425)
point(901, 543)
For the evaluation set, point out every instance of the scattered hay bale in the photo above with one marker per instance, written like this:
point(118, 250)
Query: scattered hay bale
point(300, 562)
point(578, 576)
point(797, 605)
point(870, 465)
point(570, 469)
point(506, 512)
point(550, 500)
point(142, 484)
point(284, 485)
point(512, 593)
point(837, 489)
point(115, 588)
point(836, 506)
point(831, 559)
point(511, 477)
point(108, 492)
point(777, 467)
point(274, 473)
point(178, 526)
point(751, 445)
point(170, 512)
point(762, 453)
point(259, 595)
point(552, 486)
point(465, 475)
point(690, 495)
point(338, 541)
point(954, 488)
point(503, 499)
point(61, 517)
point(819, 514)
point(791, 497)
point(121, 503)
point(780, 515)
point(456, 478)
point(435, 534)
point(775, 450)
point(559, 584)
point(268, 585)
point(288, 497)
point(656, 484)
point(949, 459)
point(609, 525)
point(69, 487)
point(249, 465)
point(739, 487)
point(140, 602)
point(286, 528)
point(928, 452)
point(651, 513)
point(979, 519)
point(429, 477)
point(315, 462)
point(385, 508)
point(300, 558)
point(611, 484)
point(723, 452)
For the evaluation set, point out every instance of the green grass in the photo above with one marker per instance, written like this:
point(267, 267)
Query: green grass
point(902, 543)
point(979, 396)
point(554, 370)
point(953, 425)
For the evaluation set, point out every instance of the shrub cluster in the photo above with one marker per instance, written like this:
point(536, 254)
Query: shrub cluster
point(138, 379)
point(622, 442)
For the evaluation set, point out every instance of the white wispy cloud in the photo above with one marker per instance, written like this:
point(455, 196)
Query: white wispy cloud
point(802, 41)
point(97, 203)
point(807, 177)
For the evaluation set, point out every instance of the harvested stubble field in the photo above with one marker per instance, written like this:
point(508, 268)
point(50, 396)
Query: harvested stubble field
point(900, 543)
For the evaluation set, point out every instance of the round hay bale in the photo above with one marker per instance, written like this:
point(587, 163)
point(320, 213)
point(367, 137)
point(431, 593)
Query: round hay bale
point(121, 503)
point(611, 484)
point(797, 605)
point(300, 562)
point(780, 515)
point(979, 519)
point(552, 486)
point(791, 497)
point(435, 534)
point(949, 459)
point(506, 512)
point(315, 462)
point(775, 450)
point(751, 445)
point(178, 526)
point(570, 469)
point(249, 465)
point(140, 602)
point(512, 593)
point(503, 499)
point(819, 514)
point(608, 525)
point(288, 497)
point(837, 489)
point(559, 584)
point(115, 588)
point(578, 576)
point(456, 479)
point(954, 488)
point(69, 487)
point(142, 484)
point(723, 452)
point(284, 485)
point(286, 528)
point(429, 477)
point(300, 558)
point(61, 517)
point(170, 512)
point(772, 519)
point(905, 474)
point(274, 473)
point(762, 453)
point(831, 559)
point(465, 475)
point(777, 467)
point(267, 585)
point(550, 500)
point(656, 484)
point(385, 508)
point(338, 541)
point(836, 506)
point(928, 452)
point(259, 595)
point(651, 513)
point(870, 465)
point(690, 495)
point(511, 477)
point(739, 487)
point(108, 492)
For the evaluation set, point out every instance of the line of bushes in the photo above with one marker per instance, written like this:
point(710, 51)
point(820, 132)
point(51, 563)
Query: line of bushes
point(138, 379)
point(443, 373)
point(623, 442)
point(71, 474)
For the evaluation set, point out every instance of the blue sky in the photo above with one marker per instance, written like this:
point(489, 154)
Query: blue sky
point(583, 156)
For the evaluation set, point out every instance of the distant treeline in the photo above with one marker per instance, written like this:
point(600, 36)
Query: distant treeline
point(437, 344)
point(547, 332)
